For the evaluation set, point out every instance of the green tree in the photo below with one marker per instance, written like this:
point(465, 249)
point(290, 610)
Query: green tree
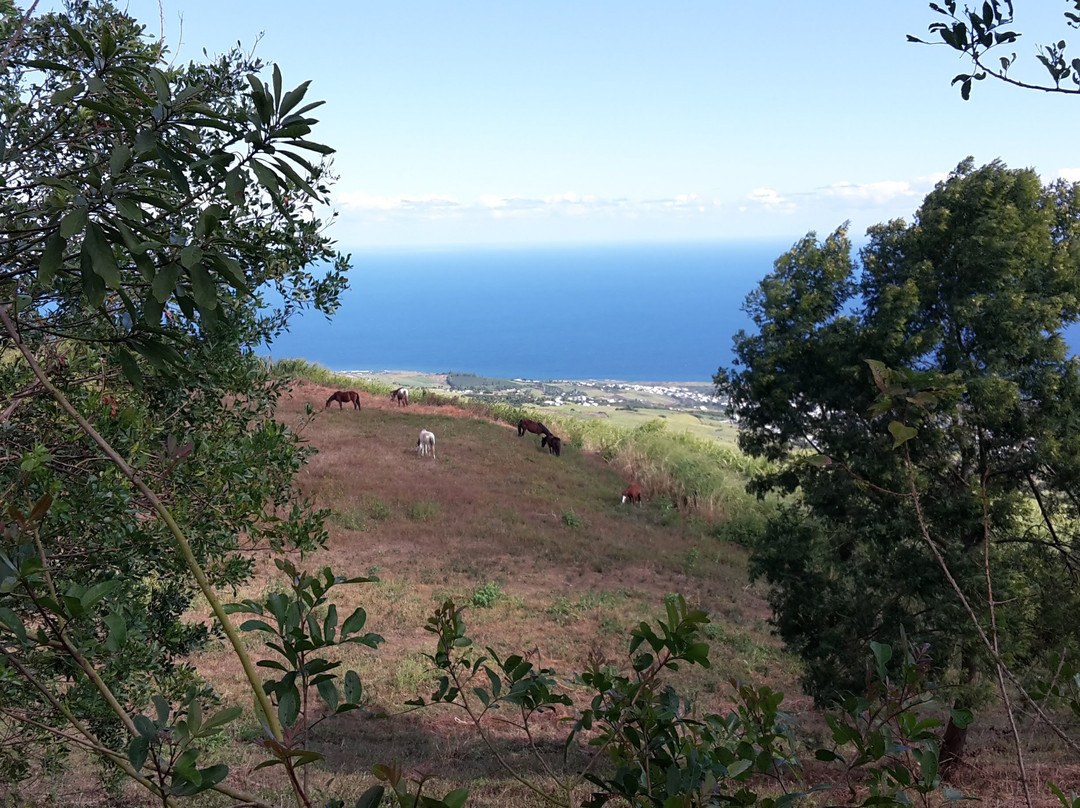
point(146, 211)
point(959, 437)
point(987, 27)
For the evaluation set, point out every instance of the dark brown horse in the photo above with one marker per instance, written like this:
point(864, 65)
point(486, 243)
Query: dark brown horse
point(529, 425)
point(341, 396)
point(553, 443)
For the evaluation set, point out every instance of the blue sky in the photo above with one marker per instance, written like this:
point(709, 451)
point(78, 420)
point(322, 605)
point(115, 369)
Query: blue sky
point(563, 122)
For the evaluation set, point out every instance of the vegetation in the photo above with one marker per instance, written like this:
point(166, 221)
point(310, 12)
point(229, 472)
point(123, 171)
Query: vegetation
point(934, 389)
point(977, 30)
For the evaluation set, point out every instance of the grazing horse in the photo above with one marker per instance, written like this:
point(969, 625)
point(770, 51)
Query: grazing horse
point(632, 493)
point(341, 396)
point(553, 443)
point(529, 425)
point(401, 396)
point(425, 444)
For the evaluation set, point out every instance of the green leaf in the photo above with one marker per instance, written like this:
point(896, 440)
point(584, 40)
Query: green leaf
point(288, 706)
point(52, 258)
point(354, 622)
point(371, 798)
point(145, 726)
point(329, 693)
point(189, 256)
point(277, 87)
point(456, 798)
point(65, 96)
point(901, 433)
point(164, 710)
point(74, 222)
point(354, 690)
point(118, 160)
point(962, 717)
point(97, 593)
point(292, 98)
point(138, 750)
point(145, 141)
point(161, 85)
point(164, 282)
point(218, 720)
point(265, 176)
point(129, 209)
point(203, 288)
point(130, 368)
point(117, 632)
point(102, 255)
point(12, 621)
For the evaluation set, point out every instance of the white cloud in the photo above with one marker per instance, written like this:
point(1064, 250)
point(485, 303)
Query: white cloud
point(771, 200)
point(882, 192)
point(358, 200)
point(1069, 174)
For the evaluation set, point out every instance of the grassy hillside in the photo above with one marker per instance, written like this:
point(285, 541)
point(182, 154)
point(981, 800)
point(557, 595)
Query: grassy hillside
point(540, 545)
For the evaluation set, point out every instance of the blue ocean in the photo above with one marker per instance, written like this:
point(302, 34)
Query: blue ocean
point(656, 312)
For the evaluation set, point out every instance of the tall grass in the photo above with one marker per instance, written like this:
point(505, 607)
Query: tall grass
point(697, 475)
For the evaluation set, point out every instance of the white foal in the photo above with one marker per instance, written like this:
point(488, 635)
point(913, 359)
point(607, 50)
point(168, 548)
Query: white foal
point(425, 444)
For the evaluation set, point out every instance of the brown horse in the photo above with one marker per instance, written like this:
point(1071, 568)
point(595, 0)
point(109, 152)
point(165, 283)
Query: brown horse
point(341, 396)
point(632, 493)
point(401, 396)
point(529, 425)
point(553, 443)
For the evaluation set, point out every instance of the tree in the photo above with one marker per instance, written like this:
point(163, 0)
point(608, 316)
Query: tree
point(931, 380)
point(976, 31)
point(145, 213)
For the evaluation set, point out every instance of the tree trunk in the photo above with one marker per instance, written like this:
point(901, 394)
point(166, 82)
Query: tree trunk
point(952, 748)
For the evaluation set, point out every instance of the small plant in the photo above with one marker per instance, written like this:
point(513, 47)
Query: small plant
point(350, 518)
point(486, 596)
point(571, 519)
point(422, 511)
point(690, 560)
point(378, 510)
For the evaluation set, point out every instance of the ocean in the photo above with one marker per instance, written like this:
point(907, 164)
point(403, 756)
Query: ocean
point(652, 312)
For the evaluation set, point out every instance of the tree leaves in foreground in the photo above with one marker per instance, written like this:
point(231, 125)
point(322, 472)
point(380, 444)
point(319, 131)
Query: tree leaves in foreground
point(145, 211)
point(932, 375)
point(977, 29)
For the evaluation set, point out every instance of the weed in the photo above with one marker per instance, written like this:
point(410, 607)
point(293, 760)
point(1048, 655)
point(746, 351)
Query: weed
point(571, 519)
point(378, 510)
point(422, 511)
point(690, 560)
point(350, 518)
point(486, 596)
point(561, 610)
point(411, 673)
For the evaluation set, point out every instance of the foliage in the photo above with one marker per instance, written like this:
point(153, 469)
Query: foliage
point(486, 596)
point(147, 210)
point(965, 463)
point(977, 30)
point(296, 633)
point(633, 740)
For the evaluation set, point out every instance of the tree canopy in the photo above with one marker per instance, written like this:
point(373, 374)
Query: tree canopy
point(931, 379)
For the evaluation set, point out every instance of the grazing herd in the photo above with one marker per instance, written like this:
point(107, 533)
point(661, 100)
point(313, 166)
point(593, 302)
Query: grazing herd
point(425, 444)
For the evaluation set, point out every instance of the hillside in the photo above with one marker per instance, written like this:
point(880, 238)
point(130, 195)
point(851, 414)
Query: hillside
point(552, 565)
point(567, 569)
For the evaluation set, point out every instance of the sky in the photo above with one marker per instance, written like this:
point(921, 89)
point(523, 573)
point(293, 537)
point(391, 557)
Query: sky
point(592, 121)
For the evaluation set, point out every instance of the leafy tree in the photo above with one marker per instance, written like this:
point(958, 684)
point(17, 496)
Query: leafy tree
point(977, 30)
point(930, 379)
point(145, 212)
